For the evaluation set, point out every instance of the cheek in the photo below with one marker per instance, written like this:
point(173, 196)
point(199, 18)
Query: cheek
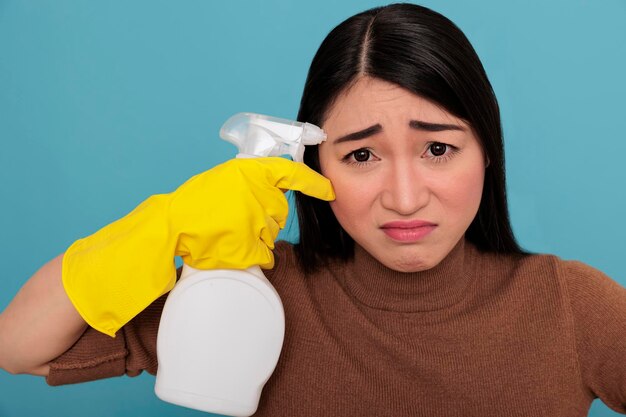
point(464, 192)
point(348, 202)
point(354, 197)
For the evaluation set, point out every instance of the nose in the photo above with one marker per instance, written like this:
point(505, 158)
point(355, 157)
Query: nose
point(406, 190)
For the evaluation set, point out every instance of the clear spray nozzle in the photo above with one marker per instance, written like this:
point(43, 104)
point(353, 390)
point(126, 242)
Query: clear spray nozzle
point(259, 135)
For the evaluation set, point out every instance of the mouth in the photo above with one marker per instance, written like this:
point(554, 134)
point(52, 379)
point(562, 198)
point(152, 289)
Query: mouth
point(408, 231)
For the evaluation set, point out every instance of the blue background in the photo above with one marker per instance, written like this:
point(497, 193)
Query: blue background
point(105, 103)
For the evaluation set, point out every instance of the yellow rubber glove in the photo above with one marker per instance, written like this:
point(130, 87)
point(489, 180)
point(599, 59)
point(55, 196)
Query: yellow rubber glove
point(227, 217)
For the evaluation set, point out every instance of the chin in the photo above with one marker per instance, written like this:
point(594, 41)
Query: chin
point(410, 268)
point(408, 264)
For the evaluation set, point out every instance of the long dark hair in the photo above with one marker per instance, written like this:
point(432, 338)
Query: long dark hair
point(425, 53)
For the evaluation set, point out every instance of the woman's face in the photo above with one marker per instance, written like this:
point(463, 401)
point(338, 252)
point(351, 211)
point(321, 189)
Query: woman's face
point(408, 175)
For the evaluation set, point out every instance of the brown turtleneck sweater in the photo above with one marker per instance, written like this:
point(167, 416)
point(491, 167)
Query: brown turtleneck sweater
point(478, 335)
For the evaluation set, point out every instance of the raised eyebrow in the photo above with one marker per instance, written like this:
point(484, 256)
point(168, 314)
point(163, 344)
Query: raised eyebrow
point(434, 127)
point(414, 124)
point(361, 134)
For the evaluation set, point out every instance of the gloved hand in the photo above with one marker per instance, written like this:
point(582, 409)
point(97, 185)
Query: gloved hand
point(226, 217)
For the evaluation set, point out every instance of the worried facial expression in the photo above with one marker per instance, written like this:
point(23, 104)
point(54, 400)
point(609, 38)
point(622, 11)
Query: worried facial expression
point(408, 175)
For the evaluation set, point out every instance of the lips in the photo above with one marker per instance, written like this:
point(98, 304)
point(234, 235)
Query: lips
point(407, 224)
point(408, 230)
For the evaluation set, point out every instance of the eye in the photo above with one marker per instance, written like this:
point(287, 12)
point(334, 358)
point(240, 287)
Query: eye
point(361, 155)
point(441, 152)
point(438, 149)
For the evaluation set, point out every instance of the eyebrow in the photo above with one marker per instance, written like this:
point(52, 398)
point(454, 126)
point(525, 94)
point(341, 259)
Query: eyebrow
point(434, 127)
point(414, 124)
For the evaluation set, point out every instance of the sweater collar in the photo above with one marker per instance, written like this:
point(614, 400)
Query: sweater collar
point(380, 287)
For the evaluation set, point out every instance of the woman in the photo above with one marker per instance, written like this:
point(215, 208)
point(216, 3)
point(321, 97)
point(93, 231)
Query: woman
point(407, 294)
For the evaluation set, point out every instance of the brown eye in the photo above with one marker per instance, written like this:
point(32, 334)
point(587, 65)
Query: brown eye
point(361, 155)
point(438, 149)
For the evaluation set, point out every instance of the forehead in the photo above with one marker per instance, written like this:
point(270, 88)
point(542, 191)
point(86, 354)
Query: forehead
point(371, 100)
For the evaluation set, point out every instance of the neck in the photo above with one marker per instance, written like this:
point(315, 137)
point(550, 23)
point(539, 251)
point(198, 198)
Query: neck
point(377, 286)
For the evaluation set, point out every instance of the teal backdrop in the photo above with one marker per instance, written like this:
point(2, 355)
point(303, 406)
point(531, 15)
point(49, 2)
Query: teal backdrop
point(105, 103)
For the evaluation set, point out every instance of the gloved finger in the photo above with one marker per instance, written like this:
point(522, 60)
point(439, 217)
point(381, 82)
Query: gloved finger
point(287, 174)
point(273, 203)
point(269, 232)
point(266, 260)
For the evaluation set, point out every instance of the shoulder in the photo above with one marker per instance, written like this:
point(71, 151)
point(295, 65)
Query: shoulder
point(581, 274)
point(590, 288)
point(284, 255)
point(545, 274)
point(285, 261)
point(572, 272)
point(586, 287)
point(520, 267)
point(284, 249)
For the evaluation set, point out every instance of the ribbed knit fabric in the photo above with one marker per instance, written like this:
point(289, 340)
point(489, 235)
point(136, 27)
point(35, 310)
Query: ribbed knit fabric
point(478, 335)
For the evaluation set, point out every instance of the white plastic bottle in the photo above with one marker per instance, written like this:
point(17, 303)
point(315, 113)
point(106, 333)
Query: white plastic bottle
point(221, 331)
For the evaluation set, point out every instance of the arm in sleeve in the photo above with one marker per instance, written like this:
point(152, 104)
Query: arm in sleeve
point(599, 313)
point(96, 355)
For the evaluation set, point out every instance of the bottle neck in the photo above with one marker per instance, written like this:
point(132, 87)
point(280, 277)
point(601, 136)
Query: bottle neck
point(189, 271)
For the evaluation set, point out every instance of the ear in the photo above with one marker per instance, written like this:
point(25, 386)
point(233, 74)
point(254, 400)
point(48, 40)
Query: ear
point(487, 161)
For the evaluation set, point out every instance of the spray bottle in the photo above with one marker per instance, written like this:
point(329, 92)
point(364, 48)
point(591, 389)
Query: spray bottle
point(221, 331)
